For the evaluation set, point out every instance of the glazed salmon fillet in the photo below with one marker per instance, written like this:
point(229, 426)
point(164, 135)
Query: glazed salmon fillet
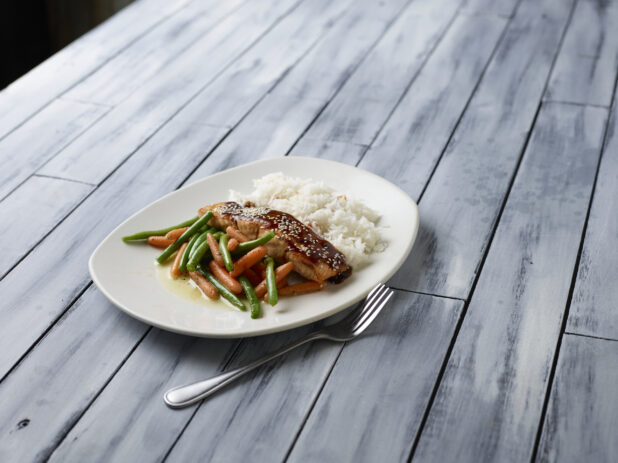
point(313, 257)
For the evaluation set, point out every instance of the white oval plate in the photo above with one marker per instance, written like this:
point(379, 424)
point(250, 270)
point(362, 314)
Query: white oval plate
point(125, 273)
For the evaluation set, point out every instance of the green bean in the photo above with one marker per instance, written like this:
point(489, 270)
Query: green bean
point(145, 234)
point(226, 293)
point(200, 239)
point(249, 245)
point(197, 256)
point(225, 253)
point(271, 282)
point(172, 248)
point(218, 235)
point(254, 302)
point(185, 255)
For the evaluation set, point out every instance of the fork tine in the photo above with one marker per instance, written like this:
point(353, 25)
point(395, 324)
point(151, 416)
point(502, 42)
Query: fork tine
point(369, 318)
point(367, 305)
point(362, 306)
point(371, 307)
point(375, 288)
point(375, 294)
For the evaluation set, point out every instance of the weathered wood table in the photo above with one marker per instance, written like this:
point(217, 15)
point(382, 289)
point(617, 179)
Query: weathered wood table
point(498, 117)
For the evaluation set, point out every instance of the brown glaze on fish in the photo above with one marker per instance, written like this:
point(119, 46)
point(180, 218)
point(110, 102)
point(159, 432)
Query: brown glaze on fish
point(313, 257)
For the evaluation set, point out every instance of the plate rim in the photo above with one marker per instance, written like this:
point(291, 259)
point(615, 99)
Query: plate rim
point(266, 330)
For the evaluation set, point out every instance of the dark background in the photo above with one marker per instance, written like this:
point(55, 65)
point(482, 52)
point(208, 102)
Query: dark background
point(32, 30)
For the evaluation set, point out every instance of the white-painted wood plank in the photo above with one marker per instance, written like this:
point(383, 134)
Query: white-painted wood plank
point(37, 291)
point(499, 7)
point(31, 211)
point(282, 116)
point(464, 196)
point(241, 86)
point(268, 131)
point(257, 418)
point(29, 94)
point(129, 420)
point(373, 402)
point(594, 308)
point(419, 129)
point(488, 405)
point(48, 391)
point(151, 53)
point(277, 121)
point(28, 148)
point(126, 127)
point(334, 150)
point(582, 417)
point(586, 67)
point(357, 112)
point(334, 59)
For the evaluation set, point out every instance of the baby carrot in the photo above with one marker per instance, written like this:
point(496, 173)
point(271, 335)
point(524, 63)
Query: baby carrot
point(302, 288)
point(248, 260)
point(214, 249)
point(226, 293)
point(159, 241)
point(204, 285)
point(232, 244)
point(236, 234)
point(175, 271)
point(231, 283)
point(174, 234)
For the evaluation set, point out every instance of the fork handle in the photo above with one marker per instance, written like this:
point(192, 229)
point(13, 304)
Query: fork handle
point(182, 396)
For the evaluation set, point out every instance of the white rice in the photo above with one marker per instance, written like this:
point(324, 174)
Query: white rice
point(347, 223)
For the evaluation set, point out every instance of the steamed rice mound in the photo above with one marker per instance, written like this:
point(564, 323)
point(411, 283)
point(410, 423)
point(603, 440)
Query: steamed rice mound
point(347, 223)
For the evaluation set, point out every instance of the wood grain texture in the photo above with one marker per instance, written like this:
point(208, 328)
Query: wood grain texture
point(56, 126)
point(151, 53)
point(126, 127)
point(129, 421)
point(334, 150)
point(358, 111)
point(241, 86)
point(37, 291)
point(594, 307)
point(370, 409)
point(496, 378)
point(462, 201)
point(269, 130)
point(177, 360)
point(31, 211)
point(258, 417)
point(499, 7)
point(29, 94)
point(586, 68)
point(582, 417)
point(323, 70)
point(61, 376)
point(419, 129)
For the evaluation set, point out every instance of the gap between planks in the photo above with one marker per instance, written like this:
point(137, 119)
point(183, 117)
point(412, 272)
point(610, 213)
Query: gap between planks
point(366, 147)
point(237, 345)
point(493, 231)
point(64, 179)
point(81, 292)
point(565, 315)
point(93, 70)
point(590, 336)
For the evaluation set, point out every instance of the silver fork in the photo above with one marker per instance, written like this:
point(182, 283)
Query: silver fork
point(348, 328)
